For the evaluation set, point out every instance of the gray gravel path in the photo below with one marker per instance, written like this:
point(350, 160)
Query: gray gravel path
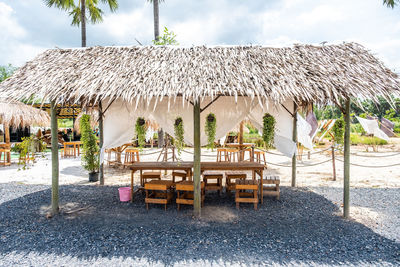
point(301, 229)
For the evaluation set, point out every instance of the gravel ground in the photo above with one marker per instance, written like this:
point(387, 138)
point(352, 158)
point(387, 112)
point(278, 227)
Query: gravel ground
point(94, 228)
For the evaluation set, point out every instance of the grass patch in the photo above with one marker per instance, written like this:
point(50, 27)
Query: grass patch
point(357, 139)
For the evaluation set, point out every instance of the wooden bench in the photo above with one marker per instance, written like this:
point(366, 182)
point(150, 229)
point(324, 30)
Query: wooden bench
point(6, 153)
point(270, 186)
point(185, 193)
point(216, 184)
point(145, 176)
point(231, 178)
point(158, 192)
point(243, 196)
point(182, 174)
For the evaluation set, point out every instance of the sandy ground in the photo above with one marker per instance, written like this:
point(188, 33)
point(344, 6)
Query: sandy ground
point(310, 174)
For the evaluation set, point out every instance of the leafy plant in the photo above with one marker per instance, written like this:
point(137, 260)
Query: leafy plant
point(169, 38)
point(338, 130)
point(6, 71)
point(210, 129)
point(357, 139)
point(268, 130)
point(179, 132)
point(90, 155)
point(140, 129)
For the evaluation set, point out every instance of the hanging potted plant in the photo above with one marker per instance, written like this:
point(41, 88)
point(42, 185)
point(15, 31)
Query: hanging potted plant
point(90, 155)
point(140, 129)
point(179, 132)
point(268, 130)
point(210, 129)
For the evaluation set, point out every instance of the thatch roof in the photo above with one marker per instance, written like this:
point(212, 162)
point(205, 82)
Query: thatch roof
point(18, 114)
point(302, 73)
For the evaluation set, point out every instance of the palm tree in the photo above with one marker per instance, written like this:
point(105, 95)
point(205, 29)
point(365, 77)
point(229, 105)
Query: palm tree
point(78, 12)
point(390, 3)
point(156, 18)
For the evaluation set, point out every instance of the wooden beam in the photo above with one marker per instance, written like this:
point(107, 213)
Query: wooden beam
point(209, 104)
point(294, 136)
point(346, 185)
point(54, 159)
point(7, 133)
point(101, 129)
point(196, 159)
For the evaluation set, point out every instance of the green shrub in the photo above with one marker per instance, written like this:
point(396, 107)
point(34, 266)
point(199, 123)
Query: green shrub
point(210, 129)
point(268, 130)
point(90, 151)
point(357, 139)
point(338, 130)
point(179, 132)
point(140, 129)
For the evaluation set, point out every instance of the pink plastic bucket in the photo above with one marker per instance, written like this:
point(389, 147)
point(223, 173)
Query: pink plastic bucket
point(124, 194)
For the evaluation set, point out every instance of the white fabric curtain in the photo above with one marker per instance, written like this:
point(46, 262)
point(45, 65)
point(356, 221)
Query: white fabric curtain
point(303, 132)
point(372, 127)
point(120, 119)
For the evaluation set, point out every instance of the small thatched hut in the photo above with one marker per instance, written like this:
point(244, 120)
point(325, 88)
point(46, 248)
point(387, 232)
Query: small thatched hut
point(17, 114)
point(198, 76)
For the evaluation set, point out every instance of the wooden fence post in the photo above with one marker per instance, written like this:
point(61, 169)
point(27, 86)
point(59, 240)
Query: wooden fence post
point(54, 159)
point(333, 163)
point(196, 159)
point(294, 140)
point(346, 185)
point(101, 128)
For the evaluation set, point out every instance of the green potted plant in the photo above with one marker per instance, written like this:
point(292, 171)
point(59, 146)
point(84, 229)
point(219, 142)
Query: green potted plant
point(268, 130)
point(140, 129)
point(210, 129)
point(90, 155)
point(179, 132)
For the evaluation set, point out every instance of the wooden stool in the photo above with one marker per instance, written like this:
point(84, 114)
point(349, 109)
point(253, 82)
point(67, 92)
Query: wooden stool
point(185, 193)
point(158, 192)
point(221, 151)
point(131, 155)
point(144, 176)
point(216, 185)
point(231, 178)
point(68, 151)
point(257, 156)
point(6, 161)
point(181, 174)
point(28, 157)
point(246, 197)
point(272, 188)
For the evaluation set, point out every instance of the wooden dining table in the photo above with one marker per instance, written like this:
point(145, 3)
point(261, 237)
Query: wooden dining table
point(187, 166)
point(76, 145)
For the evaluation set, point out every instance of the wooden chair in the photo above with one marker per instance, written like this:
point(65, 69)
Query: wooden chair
point(158, 192)
point(272, 183)
point(243, 195)
point(232, 154)
point(131, 155)
point(28, 157)
point(6, 153)
point(150, 175)
point(182, 174)
point(216, 183)
point(231, 178)
point(185, 195)
point(68, 151)
point(220, 152)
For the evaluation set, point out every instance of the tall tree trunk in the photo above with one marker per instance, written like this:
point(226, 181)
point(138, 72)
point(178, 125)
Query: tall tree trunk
point(83, 22)
point(156, 20)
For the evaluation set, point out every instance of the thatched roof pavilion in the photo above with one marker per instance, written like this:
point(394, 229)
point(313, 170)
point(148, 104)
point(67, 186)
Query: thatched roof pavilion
point(18, 114)
point(301, 74)
point(304, 73)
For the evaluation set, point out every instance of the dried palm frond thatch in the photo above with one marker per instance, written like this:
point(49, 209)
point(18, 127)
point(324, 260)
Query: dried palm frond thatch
point(18, 114)
point(302, 73)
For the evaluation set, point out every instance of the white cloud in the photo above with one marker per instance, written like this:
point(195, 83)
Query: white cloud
point(9, 25)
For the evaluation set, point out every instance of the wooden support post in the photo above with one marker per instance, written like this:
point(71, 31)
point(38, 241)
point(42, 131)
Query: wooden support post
point(294, 140)
point(346, 185)
point(241, 153)
point(101, 129)
point(333, 163)
point(196, 159)
point(7, 133)
point(54, 159)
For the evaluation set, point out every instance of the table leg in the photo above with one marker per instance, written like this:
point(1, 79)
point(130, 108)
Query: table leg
point(132, 173)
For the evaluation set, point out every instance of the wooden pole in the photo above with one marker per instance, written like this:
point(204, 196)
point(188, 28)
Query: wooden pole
point(333, 163)
point(196, 159)
point(346, 185)
point(241, 153)
point(7, 133)
point(101, 129)
point(294, 140)
point(54, 159)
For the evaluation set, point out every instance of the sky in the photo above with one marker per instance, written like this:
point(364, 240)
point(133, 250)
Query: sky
point(30, 27)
